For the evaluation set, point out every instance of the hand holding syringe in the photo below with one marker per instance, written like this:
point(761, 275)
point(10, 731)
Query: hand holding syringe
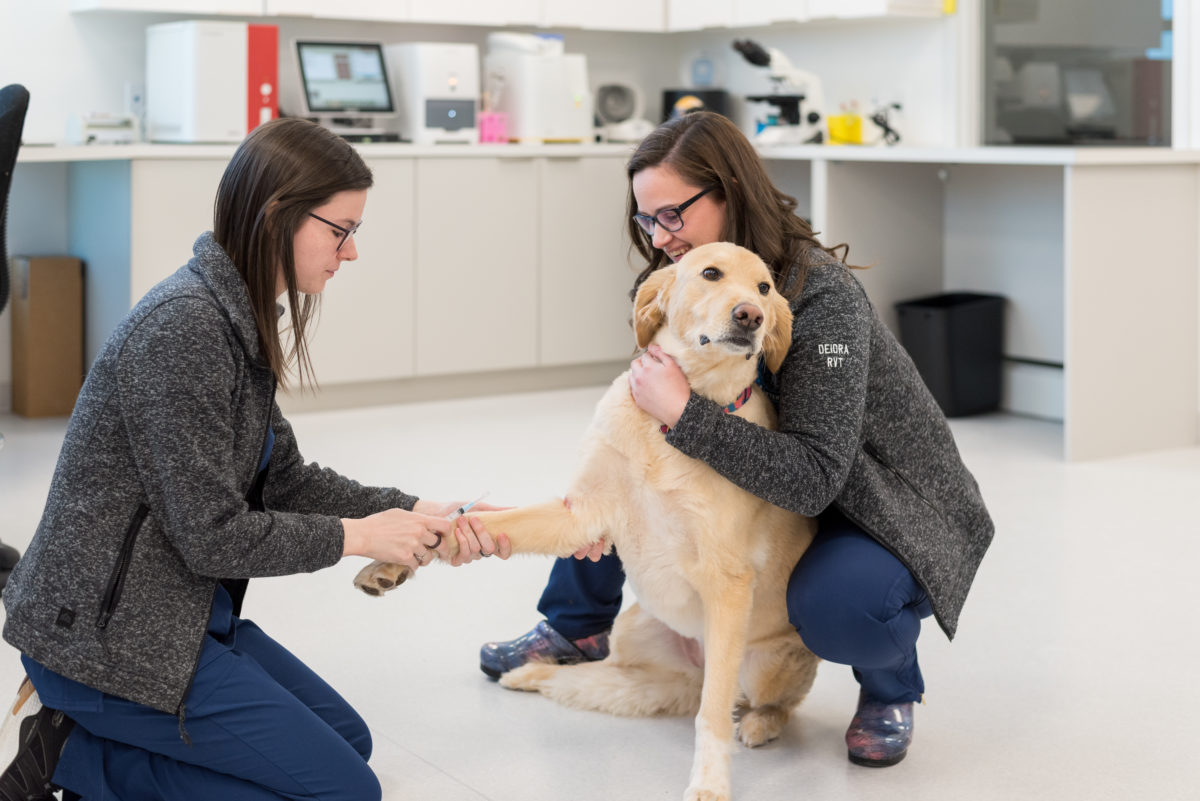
point(474, 540)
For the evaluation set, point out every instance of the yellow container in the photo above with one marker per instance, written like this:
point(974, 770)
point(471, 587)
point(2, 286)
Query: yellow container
point(845, 129)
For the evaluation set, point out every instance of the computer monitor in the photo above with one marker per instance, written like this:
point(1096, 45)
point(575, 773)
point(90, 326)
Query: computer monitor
point(345, 85)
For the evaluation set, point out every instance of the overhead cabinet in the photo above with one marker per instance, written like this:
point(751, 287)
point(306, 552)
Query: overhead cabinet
point(692, 15)
point(376, 10)
point(241, 8)
point(615, 15)
point(475, 12)
point(766, 12)
point(850, 9)
point(612, 15)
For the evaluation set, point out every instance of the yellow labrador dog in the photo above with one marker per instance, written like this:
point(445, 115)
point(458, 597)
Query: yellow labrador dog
point(708, 562)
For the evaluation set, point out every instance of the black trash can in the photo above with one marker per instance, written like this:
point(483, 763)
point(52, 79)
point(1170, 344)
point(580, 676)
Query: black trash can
point(956, 340)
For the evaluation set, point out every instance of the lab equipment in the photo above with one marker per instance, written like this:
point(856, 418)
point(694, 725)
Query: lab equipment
point(210, 81)
point(98, 128)
point(438, 86)
point(791, 90)
point(543, 90)
point(345, 88)
point(620, 112)
point(677, 102)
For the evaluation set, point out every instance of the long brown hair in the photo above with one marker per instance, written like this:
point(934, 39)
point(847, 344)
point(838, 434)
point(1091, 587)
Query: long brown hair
point(283, 170)
point(707, 149)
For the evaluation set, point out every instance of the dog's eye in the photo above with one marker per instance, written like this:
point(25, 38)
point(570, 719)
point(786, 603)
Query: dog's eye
point(764, 288)
point(711, 274)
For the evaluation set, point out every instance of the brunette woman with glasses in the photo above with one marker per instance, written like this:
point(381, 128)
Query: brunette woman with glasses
point(862, 446)
point(179, 480)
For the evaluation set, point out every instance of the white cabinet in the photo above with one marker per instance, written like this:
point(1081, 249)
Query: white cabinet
point(751, 13)
point(612, 15)
point(366, 331)
point(476, 262)
point(365, 328)
point(849, 9)
point(171, 203)
point(476, 12)
point(241, 8)
point(585, 272)
point(382, 10)
point(691, 15)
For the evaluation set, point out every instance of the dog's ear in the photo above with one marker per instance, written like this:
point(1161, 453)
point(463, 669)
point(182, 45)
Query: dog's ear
point(650, 305)
point(779, 338)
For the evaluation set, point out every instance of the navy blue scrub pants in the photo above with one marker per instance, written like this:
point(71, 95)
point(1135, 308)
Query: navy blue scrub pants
point(850, 599)
point(262, 726)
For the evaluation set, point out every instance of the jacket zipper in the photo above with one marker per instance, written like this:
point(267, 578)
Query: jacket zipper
point(181, 713)
point(116, 583)
point(878, 457)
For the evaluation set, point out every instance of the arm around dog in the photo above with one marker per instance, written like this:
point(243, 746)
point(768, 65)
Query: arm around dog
point(804, 465)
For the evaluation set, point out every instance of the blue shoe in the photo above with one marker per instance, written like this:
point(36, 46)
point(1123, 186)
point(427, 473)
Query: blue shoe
point(542, 644)
point(880, 734)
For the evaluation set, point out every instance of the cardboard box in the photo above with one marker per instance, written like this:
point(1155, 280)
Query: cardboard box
point(47, 334)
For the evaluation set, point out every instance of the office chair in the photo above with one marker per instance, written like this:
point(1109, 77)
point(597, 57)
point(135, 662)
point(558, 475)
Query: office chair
point(14, 101)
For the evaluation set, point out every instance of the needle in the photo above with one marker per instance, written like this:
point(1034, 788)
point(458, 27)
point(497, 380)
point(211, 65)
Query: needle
point(466, 507)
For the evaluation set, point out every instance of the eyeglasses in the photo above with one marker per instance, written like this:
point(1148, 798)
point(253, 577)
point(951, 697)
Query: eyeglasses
point(671, 219)
point(346, 232)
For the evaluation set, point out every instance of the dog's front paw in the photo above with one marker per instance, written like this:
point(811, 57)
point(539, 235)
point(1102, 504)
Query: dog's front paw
point(761, 725)
point(530, 677)
point(704, 794)
point(379, 577)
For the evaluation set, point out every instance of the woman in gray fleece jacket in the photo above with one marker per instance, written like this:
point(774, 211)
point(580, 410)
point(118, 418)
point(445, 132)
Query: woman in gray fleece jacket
point(861, 445)
point(178, 480)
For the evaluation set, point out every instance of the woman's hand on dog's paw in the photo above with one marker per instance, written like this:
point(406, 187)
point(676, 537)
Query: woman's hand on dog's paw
point(476, 542)
point(395, 535)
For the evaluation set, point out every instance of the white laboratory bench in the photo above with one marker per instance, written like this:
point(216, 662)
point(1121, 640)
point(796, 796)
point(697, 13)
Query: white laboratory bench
point(510, 260)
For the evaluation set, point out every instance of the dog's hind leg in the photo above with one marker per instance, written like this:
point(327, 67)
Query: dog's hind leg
point(648, 673)
point(777, 674)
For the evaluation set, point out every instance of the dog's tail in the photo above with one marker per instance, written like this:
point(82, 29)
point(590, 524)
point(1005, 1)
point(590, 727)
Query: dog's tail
point(626, 690)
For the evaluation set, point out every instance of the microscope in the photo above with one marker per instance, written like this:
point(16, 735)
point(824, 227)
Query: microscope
point(792, 88)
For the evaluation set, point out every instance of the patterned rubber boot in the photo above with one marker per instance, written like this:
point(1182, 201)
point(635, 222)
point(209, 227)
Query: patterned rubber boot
point(34, 736)
point(880, 734)
point(542, 644)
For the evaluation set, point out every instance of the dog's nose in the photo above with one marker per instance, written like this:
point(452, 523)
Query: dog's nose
point(747, 316)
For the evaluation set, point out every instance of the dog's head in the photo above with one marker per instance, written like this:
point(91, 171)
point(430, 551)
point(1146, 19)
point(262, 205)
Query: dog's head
point(718, 301)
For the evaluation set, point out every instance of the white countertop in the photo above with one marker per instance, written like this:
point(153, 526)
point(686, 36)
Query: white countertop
point(989, 154)
point(144, 150)
point(1130, 156)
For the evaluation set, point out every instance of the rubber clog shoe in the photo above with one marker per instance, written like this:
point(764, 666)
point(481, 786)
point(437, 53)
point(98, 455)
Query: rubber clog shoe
point(542, 644)
point(880, 734)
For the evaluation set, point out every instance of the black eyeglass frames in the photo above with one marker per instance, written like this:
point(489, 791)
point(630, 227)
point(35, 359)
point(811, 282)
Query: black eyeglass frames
point(671, 219)
point(346, 232)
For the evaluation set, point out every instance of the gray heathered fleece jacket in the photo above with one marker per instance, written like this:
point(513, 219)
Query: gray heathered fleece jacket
point(147, 510)
point(857, 429)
